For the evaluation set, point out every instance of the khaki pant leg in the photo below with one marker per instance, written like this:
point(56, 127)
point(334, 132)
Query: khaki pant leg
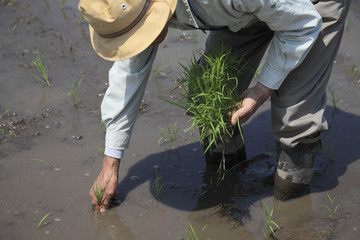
point(298, 106)
point(248, 43)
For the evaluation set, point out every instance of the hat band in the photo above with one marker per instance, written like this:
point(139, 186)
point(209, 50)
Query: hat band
point(130, 26)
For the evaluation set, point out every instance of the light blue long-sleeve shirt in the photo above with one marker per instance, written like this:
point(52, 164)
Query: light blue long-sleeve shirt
point(296, 25)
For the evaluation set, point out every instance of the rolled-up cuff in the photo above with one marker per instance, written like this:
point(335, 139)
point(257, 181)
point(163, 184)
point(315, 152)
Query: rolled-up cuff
point(115, 153)
point(116, 140)
point(271, 78)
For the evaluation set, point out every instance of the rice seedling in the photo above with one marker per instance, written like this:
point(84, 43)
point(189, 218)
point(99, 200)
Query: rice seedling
point(63, 4)
point(270, 224)
point(81, 19)
point(223, 170)
point(192, 234)
point(74, 91)
point(43, 220)
point(99, 193)
point(354, 70)
point(258, 70)
point(348, 22)
point(40, 64)
point(332, 208)
point(159, 69)
point(43, 161)
point(210, 97)
point(103, 127)
point(210, 94)
point(332, 98)
point(168, 135)
point(327, 149)
point(157, 186)
point(100, 149)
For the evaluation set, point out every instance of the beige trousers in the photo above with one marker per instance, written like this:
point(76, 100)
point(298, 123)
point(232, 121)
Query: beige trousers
point(297, 107)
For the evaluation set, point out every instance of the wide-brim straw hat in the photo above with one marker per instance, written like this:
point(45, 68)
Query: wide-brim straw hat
point(120, 29)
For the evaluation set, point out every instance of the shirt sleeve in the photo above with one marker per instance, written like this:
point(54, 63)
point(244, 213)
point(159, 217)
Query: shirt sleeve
point(296, 25)
point(120, 106)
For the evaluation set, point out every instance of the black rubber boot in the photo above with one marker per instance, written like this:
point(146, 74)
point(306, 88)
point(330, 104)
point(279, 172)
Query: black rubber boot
point(294, 168)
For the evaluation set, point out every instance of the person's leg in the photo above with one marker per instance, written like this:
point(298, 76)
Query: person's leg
point(298, 106)
point(249, 45)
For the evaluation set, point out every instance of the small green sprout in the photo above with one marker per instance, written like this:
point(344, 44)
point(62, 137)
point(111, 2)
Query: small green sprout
point(63, 4)
point(43, 161)
point(102, 149)
point(43, 220)
point(74, 91)
point(40, 64)
point(169, 135)
point(98, 193)
point(332, 98)
point(156, 186)
point(332, 208)
point(327, 149)
point(159, 69)
point(81, 19)
point(192, 233)
point(269, 230)
point(354, 70)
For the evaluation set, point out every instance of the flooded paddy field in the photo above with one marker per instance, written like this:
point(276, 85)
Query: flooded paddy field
point(50, 152)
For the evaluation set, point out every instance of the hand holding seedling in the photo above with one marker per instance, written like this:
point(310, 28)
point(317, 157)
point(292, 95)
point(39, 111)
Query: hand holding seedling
point(253, 98)
point(108, 181)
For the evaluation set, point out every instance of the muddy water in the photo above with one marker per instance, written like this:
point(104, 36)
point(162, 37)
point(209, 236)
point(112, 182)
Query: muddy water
point(42, 124)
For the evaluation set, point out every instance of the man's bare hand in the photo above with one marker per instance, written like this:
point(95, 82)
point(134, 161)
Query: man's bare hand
point(108, 177)
point(253, 98)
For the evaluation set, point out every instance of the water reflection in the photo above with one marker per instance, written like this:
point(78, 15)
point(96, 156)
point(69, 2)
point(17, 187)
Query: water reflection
point(109, 226)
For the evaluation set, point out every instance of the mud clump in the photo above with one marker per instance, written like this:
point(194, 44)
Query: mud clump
point(16, 130)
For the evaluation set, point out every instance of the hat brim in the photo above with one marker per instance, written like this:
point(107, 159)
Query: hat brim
point(141, 36)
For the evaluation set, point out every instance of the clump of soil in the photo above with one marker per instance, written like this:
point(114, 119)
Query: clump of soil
point(17, 130)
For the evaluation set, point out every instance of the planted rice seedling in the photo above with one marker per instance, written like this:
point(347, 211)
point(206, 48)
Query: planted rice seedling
point(347, 22)
point(43, 161)
point(354, 70)
point(40, 64)
point(99, 193)
point(327, 149)
point(81, 19)
point(192, 234)
point(159, 69)
point(74, 91)
point(157, 186)
point(63, 4)
point(103, 127)
point(43, 220)
point(332, 208)
point(168, 135)
point(270, 224)
point(332, 98)
point(102, 149)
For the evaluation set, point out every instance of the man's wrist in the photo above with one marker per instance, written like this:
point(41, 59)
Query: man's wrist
point(264, 91)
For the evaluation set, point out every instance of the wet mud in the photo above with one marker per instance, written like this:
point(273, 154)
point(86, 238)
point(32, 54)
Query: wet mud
point(50, 152)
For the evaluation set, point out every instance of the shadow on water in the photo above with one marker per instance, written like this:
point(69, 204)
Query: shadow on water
point(191, 185)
